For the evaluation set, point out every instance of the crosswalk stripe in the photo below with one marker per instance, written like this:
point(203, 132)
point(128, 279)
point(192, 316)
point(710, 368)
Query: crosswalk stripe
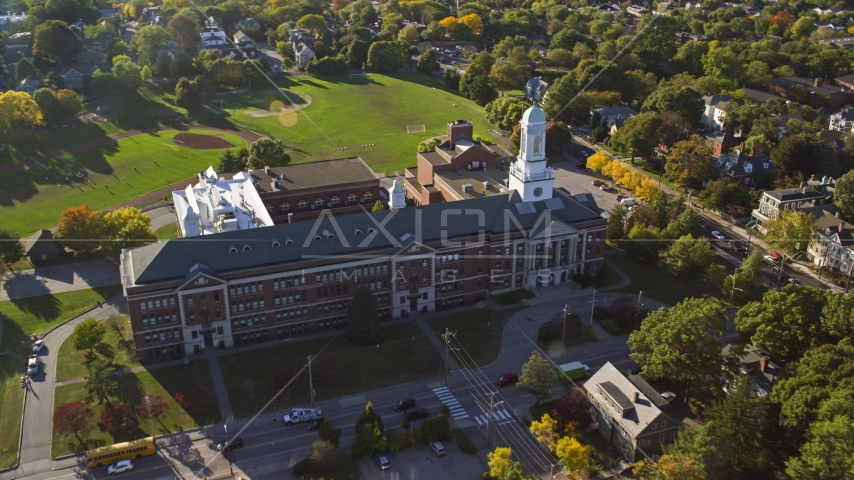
point(499, 416)
point(458, 411)
point(439, 390)
point(461, 417)
point(477, 419)
point(451, 402)
point(448, 399)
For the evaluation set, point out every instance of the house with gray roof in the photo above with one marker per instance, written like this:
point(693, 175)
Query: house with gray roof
point(42, 248)
point(836, 97)
point(758, 365)
point(610, 116)
point(750, 170)
point(833, 246)
point(713, 113)
point(776, 202)
point(842, 121)
point(628, 414)
point(535, 89)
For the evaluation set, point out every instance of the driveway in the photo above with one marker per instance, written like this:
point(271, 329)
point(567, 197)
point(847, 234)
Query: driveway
point(59, 278)
point(419, 462)
point(161, 216)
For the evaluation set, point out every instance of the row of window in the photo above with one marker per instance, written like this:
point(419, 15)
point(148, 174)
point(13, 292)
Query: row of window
point(289, 298)
point(451, 302)
point(162, 335)
point(246, 288)
point(647, 442)
point(165, 351)
point(339, 306)
point(195, 333)
point(288, 282)
point(249, 304)
point(291, 314)
point(160, 302)
point(249, 337)
point(372, 269)
point(159, 319)
point(319, 201)
point(336, 290)
point(250, 321)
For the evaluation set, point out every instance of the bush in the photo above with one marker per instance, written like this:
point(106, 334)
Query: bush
point(601, 313)
point(433, 429)
point(301, 468)
point(451, 78)
point(462, 440)
point(327, 66)
point(396, 440)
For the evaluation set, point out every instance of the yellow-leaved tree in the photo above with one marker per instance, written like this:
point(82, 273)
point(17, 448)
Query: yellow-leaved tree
point(450, 23)
point(499, 461)
point(546, 431)
point(597, 161)
point(473, 21)
point(127, 227)
point(18, 109)
point(572, 455)
point(646, 190)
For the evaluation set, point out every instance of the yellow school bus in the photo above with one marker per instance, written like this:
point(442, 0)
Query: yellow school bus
point(120, 451)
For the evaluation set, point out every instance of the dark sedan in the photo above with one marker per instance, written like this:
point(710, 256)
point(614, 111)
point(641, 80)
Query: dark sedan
point(416, 414)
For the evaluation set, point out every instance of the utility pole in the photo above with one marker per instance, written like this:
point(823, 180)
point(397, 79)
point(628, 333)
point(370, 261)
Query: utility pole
point(823, 259)
point(150, 422)
point(310, 382)
point(637, 311)
point(447, 337)
point(850, 270)
point(593, 302)
point(565, 315)
point(228, 447)
point(489, 419)
point(780, 274)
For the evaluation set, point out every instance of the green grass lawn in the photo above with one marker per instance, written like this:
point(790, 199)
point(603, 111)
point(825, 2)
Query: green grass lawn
point(609, 279)
point(405, 355)
point(166, 382)
point(167, 231)
point(653, 174)
point(71, 364)
point(120, 171)
point(660, 285)
point(23, 318)
point(478, 332)
point(512, 298)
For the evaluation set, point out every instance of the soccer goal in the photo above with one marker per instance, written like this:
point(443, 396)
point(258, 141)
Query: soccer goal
point(416, 128)
point(358, 75)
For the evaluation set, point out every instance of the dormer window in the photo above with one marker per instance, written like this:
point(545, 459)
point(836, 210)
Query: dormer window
point(371, 230)
point(286, 205)
point(301, 204)
point(351, 197)
point(335, 199)
point(288, 241)
point(269, 207)
point(276, 243)
point(357, 231)
point(368, 195)
point(318, 201)
point(246, 247)
point(317, 238)
point(232, 249)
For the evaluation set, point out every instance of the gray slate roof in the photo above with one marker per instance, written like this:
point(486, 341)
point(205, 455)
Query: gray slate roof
point(635, 420)
point(735, 164)
point(172, 259)
point(790, 194)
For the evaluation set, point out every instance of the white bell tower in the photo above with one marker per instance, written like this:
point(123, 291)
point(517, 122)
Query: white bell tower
point(529, 174)
point(397, 195)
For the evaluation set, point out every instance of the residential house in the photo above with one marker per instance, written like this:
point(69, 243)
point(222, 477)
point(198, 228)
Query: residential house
point(535, 89)
point(107, 12)
point(721, 141)
point(758, 365)
point(303, 53)
point(159, 21)
point(761, 96)
point(713, 114)
point(842, 121)
point(751, 171)
point(836, 27)
point(846, 82)
point(636, 11)
point(42, 248)
point(150, 12)
point(775, 202)
point(102, 43)
point(212, 35)
point(248, 23)
point(783, 120)
point(29, 85)
point(758, 38)
point(833, 247)
point(836, 97)
point(824, 11)
point(172, 49)
point(842, 42)
point(608, 8)
point(684, 37)
point(612, 118)
point(241, 38)
point(77, 78)
point(629, 418)
point(10, 18)
point(128, 31)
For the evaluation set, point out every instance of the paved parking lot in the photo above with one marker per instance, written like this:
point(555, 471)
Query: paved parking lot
point(419, 462)
point(579, 180)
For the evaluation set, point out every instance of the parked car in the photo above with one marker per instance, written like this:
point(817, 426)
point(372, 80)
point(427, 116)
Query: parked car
point(795, 282)
point(598, 183)
point(416, 414)
point(628, 202)
point(32, 365)
point(437, 448)
point(405, 404)
point(314, 425)
point(120, 467)
point(233, 444)
point(771, 260)
point(604, 186)
point(37, 347)
point(581, 164)
point(382, 461)
point(718, 235)
point(584, 153)
point(507, 379)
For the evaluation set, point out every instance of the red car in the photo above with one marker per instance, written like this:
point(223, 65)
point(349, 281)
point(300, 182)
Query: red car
point(507, 379)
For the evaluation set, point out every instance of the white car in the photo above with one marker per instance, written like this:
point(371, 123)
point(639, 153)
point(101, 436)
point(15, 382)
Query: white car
point(437, 448)
point(668, 396)
point(718, 235)
point(37, 347)
point(32, 365)
point(120, 467)
point(382, 461)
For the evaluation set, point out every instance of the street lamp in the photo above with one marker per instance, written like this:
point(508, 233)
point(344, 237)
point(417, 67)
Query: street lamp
point(228, 449)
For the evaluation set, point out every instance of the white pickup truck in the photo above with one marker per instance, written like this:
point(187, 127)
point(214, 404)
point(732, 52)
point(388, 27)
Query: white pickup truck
point(299, 415)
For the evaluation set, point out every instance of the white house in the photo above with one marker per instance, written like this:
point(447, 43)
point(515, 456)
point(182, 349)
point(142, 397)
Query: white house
point(842, 121)
point(303, 53)
point(212, 36)
point(713, 114)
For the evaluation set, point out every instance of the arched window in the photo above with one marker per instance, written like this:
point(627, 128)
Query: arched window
point(301, 204)
point(335, 199)
point(351, 197)
point(318, 201)
point(269, 207)
point(286, 205)
point(368, 195)
point(537, 141)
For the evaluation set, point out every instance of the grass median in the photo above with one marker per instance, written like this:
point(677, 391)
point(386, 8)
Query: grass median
point(166, 382)
point(478, 333)
point(71, 363)
point(254, 376)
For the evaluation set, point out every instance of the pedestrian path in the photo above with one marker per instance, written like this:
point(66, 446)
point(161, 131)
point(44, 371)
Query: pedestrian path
point(448, 398)
point(500, 416)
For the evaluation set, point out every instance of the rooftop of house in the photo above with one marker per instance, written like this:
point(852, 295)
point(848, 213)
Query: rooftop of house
point(751, 365)
point(610, 387)
point(308, 175)
point(614, 111)
point(782, 120)
point(721, 137)
point(809, 83)
point(348, 234)
point(717, 100)
point(217, 205)
point(829, 225)
point(846, 114)
point(42, 244)
point(738, 164)
point(849, 79)
point(804, 194)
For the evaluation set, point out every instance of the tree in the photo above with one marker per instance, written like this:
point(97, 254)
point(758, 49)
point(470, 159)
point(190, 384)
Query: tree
point(88, 336)
point(637, 138)
point(100, 383)
point(506, 75)
point(564, 104)
point(837, 318)
point(73, 418)
point(723, 63)
point(154, 404)
point(11, 250)
point(127, 227)
point(572, 454)
point(147, 41)
point(843, 195)
point(409, 35)
point(368, 433)
point(329, 433)
point(115, 416)
point(267, 152)
point(499, 461)
point(828, 452)
point(102, 82)
point(164, 66)
point(616, 222)
point(315, 24)
point(363, 323)
point(128, 75)
point(546, 431)
point(475, 86)
point(24, 69)
point(678, 344)
point(321, 457)
point(791, 232)
point(573, 408)
point(724, 195)
point(686, 254)
point(387, 57)
point(55, 42)
point(378, 206)
point(49, 105)
point(184, 31)
point(17, 109)
point(800, 156)
point(506, 112)
point(680, 100)
point(191, 400)
point(644, 242)
point(669, 467)
point(473, 21)
point(688, 223)
point(537, 376)
point(187, 94)
point(689, 161)
point(427, 63)
point(69, 101)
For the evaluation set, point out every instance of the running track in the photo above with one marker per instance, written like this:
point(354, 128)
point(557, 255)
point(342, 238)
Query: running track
point(248, 136)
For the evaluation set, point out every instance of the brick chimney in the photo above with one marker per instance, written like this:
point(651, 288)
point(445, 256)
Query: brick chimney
point(742, 147)
point(763, 363)
point(804, 190)
point(803, 185)
point(459, 128)
point(635, 397)
point(817, 82)
point(752, 154)
point(812, 178)
point(813, 203)
point(837, 214)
